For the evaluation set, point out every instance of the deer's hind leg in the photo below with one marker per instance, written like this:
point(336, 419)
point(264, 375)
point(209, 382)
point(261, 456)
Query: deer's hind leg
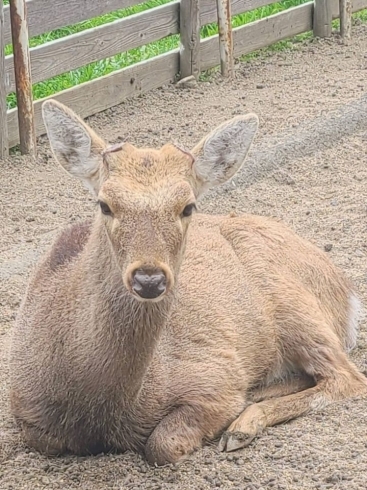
point(282, 387)
point(316, 350)
point(276, 410)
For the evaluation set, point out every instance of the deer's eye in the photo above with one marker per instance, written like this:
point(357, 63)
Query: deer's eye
point(105, 208)
point(188, 210)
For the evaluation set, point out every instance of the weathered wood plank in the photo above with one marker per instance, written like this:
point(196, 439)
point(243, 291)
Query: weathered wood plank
point(208, 8)
point(322, 18)
point(357, 5)
point(100, 94)
point(22, 68)
point(4, 150)
point(260, 34)
point(189, 38)
point(45, 17)
point(85, 47)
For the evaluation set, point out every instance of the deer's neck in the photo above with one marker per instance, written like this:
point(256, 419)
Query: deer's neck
point(125, 331)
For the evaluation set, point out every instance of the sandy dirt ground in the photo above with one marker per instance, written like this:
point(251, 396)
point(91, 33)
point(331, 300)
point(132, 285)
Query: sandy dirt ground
point(318, 186)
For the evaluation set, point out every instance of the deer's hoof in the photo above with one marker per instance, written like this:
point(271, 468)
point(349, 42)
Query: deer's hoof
point(231, 441)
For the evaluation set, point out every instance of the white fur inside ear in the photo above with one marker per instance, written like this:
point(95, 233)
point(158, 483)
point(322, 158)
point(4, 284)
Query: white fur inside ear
point(71, 144)
point(225, 149)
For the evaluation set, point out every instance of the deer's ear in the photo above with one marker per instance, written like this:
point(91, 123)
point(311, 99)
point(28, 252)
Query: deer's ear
point(74, 144)
point(222, 153)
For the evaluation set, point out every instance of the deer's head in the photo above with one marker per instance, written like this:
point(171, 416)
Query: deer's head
point(147, 197)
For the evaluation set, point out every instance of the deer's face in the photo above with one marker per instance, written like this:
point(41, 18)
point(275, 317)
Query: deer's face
point(146, 205)
point(147, 197)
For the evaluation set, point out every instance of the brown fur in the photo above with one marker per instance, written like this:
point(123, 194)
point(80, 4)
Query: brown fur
point(69, 245)
point(252, 330)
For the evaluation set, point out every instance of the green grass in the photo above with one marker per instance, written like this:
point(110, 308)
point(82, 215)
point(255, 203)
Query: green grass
point(106, 66)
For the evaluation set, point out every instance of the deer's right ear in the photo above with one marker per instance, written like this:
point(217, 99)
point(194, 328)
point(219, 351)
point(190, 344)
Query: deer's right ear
point(222, 153)
point(75, 145)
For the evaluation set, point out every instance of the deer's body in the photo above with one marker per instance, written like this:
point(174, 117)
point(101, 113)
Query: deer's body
point(250, 305)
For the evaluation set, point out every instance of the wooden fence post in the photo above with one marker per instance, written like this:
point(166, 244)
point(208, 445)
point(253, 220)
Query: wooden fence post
point(345, 9)
point(225, 37)
point(22, 69)
point(3, 107)
point(190, 38)
point(322, 18)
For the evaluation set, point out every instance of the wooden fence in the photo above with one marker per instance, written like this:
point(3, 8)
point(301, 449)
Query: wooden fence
point(194, 56)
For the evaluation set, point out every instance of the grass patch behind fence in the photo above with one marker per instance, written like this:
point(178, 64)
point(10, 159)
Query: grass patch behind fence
point(128, 58)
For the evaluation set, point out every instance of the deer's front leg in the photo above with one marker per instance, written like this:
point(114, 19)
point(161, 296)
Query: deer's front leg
point(176, 436)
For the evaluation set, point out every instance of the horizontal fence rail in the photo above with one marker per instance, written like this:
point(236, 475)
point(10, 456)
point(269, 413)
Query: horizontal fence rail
point(259, 34)
point(45, 16)
point(357, 5)
point(96, 44)
point(100, 94)
point(208, 8)
point(74, 51)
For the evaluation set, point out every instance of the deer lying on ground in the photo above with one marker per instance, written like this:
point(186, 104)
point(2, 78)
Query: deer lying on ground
point(154, 328)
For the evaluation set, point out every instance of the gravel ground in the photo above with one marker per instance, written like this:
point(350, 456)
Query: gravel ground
point(318, 185)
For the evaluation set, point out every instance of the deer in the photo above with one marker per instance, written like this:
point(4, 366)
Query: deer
point(156, 329)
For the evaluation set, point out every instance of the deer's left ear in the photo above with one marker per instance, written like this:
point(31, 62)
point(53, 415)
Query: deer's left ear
point(74, 144)
point(220, 155)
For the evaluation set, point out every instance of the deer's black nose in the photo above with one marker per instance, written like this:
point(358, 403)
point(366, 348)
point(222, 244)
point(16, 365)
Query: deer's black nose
point(149, 283)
